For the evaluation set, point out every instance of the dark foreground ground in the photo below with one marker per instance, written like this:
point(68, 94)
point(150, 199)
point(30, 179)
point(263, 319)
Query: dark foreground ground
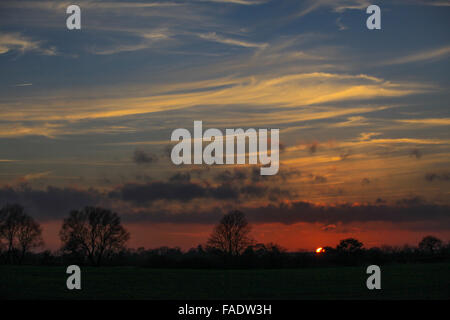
point(406, 281)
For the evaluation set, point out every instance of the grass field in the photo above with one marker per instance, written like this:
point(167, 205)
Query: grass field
point(406, 281)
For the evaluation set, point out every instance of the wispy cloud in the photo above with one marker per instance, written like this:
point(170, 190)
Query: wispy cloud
point(20, 43)
point(52, 130)
point(434, 3)
point(34, 176)
point(355, 121)
point(427, 122)
point(299, 90)
point(340, 6)
point(429, 55)
point(391, 141)
point(145, 40)
point(23, 85)
point(62, 5)
point(241, 2)
point(335, 5)
point(212, 36)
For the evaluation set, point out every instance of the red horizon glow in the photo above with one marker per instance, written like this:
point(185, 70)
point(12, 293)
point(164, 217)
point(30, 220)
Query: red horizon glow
point(294, 237)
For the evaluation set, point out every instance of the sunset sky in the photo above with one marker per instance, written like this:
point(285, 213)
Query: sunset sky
point(86, 116)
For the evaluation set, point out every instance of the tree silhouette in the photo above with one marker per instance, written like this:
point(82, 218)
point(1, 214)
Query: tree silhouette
point(20, 232)
point(231, 235)
point(349, 245)
point(93, 233)
point(430, 244)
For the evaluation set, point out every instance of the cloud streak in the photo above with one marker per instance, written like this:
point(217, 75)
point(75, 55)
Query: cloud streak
point(10, 42)
point(212, 36)
point(263, 93)
point(428, 55)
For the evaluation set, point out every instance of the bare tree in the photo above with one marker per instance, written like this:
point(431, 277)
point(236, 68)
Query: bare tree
point(430, 244)
point(231, 235)
point(20, 232)
point(94, 233)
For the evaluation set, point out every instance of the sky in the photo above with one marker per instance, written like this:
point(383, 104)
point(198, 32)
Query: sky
point(86, 116)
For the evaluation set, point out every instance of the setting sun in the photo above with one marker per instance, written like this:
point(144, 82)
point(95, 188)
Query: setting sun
point(320, 250)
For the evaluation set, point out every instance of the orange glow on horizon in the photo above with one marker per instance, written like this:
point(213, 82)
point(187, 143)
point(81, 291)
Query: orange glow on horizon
point(298, 236)
point(320, 250)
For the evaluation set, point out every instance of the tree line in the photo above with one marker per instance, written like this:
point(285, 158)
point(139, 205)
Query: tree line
point(96, 236)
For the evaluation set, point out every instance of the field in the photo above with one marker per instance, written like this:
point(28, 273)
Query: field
point(406, 281)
